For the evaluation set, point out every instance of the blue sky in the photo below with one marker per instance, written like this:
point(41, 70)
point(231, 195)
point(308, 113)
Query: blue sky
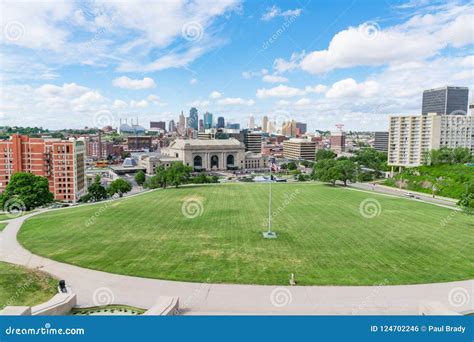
point(89, 63)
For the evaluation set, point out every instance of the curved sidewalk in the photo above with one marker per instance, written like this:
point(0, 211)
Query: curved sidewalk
point(95, 287)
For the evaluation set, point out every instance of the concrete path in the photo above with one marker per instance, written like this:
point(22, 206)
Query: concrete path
point(98, 288)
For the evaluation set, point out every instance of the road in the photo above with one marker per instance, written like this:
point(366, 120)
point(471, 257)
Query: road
point(451, 203)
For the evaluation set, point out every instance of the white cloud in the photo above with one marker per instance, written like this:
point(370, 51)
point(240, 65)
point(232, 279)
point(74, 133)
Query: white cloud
point(66, 90)
point(303, 102)
point(119, 104)
point(128, 83)
point(279, 91)
point(215, 95)
point(274, 79)
point(199, 103)
point(283, 103)
point(139, 104)
point(155, 100)
point(318, 89)
point(418, 38)
point(193, 81)
point(274, 11)
point(350, 88)
point(230, 101)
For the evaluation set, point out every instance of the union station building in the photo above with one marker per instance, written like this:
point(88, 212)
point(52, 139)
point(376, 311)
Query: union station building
point(206, 155)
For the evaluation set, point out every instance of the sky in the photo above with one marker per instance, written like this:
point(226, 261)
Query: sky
point(71, 64)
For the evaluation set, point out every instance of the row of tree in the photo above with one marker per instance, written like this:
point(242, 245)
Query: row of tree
point(97, 192)
point(445, 155)
point(176, 174)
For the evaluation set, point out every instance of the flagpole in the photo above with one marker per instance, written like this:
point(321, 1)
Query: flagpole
point(269, 234)
point(270, 202)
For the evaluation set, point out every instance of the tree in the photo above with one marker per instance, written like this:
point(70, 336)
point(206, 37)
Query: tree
point(119, 186)
point(27, 191)
point(325, 171)
point(140, 177)
point(461, 155)
point(325, 154)
point(161, 176)
point(346, 170)
point(291, 166)
point(178, 173)
point(96, 191)
point(467, 199)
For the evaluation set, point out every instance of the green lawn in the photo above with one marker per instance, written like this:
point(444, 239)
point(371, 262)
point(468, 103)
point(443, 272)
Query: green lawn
point(2, 225)
point(20, 286)
point(323, 238)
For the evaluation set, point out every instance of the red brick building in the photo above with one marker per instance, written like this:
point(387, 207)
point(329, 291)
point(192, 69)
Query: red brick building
point(62, 162)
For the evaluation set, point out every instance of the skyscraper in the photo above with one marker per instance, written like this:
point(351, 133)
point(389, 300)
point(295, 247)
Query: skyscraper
point(193, 118)
point(201, 125)
point(207, 120)
point(220, 122)
point(445, 101)
point(251, 122)
point(171, 126)
point(182, 124)
point(301, 128)
point(265, 124)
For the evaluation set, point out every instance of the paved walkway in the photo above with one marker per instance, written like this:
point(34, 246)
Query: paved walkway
point(95, 287)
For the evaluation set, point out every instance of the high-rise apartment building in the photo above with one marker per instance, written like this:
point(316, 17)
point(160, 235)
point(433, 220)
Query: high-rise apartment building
point(445, 101)
point(381, 141)
point(62, 162)
point(299, 149)
point(412, 137)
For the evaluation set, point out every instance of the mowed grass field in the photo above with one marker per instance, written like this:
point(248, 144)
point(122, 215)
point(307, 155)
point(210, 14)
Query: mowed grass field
point(322, 236)
point(20, 286)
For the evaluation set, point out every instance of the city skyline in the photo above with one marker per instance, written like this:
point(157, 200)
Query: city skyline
point(95, 63)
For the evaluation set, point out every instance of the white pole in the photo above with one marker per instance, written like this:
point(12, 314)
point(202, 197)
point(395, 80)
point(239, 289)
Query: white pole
point(270, 202)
